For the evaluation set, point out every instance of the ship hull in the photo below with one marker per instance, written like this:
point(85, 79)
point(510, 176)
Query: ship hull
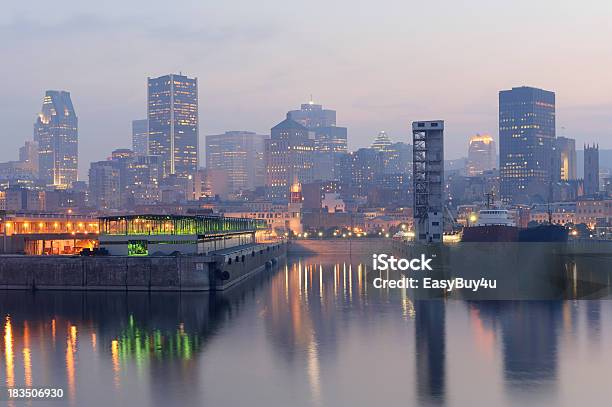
point(490, 233)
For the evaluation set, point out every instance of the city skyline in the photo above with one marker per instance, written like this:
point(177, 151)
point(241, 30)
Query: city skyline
point(371, 90)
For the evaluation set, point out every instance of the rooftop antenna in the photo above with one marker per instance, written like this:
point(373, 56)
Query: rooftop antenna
point(311, 101)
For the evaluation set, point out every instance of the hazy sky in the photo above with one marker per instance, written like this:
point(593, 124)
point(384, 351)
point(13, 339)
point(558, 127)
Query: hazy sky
point(380, 64)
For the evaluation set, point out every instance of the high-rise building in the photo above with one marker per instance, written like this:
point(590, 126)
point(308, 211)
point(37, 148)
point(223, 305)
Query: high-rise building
point(140, 137)
point(382, 142)
point(288, 157)
point(565, 159)
point(361, 169)
point(172, 112)
point(104, 185)
point(330, 146)
point(396, 157)
point(330, 140)
point(28, 156)
point(142, 180)
point(591, 169)
point(526, 137)
point(481, 155)
point(313, 116)
point(428, 179)
point(56, 132)
point(240, 154)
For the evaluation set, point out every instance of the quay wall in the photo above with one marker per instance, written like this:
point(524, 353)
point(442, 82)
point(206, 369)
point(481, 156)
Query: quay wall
point(147, 273)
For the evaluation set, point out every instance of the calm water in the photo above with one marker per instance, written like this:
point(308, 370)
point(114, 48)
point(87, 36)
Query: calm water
point(312, 333)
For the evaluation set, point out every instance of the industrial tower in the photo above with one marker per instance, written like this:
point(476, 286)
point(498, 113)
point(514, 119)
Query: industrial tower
point(428, 180)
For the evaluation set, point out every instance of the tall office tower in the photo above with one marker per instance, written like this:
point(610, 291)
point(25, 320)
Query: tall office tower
point(313, 116)
point(361, 169)
point(382, 142)
point(330, 146)
point(565, 159)
point(56, 132)
point(172, 111)
point(104, 185)
point(396, 157)
point(142, 180)
point(330, 140)
point(28, 156)
point(240, 154)
point(288, 157)
point(482, 155)
point(140, 137)
point(526, 137)
point(591, 169)
point(428, 179)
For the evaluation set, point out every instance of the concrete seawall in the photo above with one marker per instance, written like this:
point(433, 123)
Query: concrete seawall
point(182, 273)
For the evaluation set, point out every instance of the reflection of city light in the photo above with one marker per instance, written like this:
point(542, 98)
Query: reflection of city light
point(8, 353)
point(115, 359)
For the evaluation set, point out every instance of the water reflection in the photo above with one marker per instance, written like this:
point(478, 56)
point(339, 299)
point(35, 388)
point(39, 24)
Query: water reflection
point(312, 332)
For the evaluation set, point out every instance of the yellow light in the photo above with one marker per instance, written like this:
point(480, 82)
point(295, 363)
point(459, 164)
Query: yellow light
point(473, 218)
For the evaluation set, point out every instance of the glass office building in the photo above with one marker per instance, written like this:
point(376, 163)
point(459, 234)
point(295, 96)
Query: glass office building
point(172, 110)
point(527, 137)
point(240, 155)
point(140, 137)
point(56, 132)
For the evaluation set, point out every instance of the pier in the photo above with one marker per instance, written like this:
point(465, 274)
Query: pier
point(215, 272)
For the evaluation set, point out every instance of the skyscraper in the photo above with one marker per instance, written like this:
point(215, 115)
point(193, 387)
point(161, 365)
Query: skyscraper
point(330, 140)
point(565, 158)
point(591, 169)
point(313, 116)
point(56, 132)
point(381, 142)
point(240, 154)
point(140, 137)
point(481, 155)
point(526, 136)
point(361, 170)
point(172, 111)
point(288, 157)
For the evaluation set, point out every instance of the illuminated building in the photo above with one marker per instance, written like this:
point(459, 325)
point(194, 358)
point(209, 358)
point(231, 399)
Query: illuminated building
point(46, 233)
point(141, 235)
point(56, 132)
point(330, 141)
point(565, 156)
point(288, 157)
point(526, 137)
point(240, 154)
point(142, 180)
point(396, 157)
point(313, 116)
point(140, 137)
point(591, 170)
point(382, 142)
point(295, 208)
point(361, 169)
point(481, 155)
point(172, 103)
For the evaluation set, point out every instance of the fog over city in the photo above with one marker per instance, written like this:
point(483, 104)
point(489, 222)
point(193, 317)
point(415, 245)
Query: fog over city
point(381, 65)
